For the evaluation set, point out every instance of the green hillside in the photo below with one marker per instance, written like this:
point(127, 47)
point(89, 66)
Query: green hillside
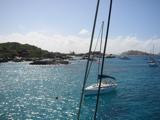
point(13, 49)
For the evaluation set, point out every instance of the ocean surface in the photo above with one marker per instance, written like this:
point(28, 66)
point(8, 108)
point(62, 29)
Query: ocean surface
point(52, 92)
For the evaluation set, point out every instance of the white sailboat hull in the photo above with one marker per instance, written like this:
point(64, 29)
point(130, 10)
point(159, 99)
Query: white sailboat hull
point(153, 64)
point(105, 88)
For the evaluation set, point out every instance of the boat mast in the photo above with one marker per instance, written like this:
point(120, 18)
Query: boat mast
point(105, 45)
point(87, 65)
point(102, 27)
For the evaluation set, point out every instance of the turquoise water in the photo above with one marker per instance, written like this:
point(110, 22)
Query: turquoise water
point(29, 92)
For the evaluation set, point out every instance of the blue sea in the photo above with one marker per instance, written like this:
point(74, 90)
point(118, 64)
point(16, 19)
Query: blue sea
point(52, 92)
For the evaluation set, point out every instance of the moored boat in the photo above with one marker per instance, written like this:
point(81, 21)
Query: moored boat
point(106, 87)
point(153, 64)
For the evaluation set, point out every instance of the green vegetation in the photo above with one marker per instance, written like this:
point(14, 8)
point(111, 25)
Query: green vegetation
point(11, 50)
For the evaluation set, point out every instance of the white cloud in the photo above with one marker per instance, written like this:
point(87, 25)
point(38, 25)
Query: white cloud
point(121, 44)
point(83, 32)
point(63, 43)
point(60, 43)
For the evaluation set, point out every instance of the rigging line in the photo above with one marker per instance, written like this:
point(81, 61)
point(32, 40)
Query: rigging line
point(99, 35)
point(100, 49)
point(106, 39)
point(84, 82)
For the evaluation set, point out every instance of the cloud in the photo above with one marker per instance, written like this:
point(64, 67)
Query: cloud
point(121, 44)
point(83, 32)
point(55, 43)
point(79, 44)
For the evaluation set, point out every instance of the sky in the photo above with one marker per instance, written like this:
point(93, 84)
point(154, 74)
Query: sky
point(66, 25)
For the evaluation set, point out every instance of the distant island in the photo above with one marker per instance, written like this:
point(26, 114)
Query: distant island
point(134, 52)
point(13, 51)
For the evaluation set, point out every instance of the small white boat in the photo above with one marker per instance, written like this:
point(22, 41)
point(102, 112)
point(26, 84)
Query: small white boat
point(106, 87)
point(152, 64)
point(124, 58)
point(152, 60)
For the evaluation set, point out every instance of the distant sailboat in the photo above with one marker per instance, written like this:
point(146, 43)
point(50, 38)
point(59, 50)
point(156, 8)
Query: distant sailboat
point(152, 61)
point(124, 58)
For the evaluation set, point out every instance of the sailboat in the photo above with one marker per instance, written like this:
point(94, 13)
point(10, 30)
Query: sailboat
point(152, 61)
point(108, 83)
point(107, 86)
point(102, 86)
